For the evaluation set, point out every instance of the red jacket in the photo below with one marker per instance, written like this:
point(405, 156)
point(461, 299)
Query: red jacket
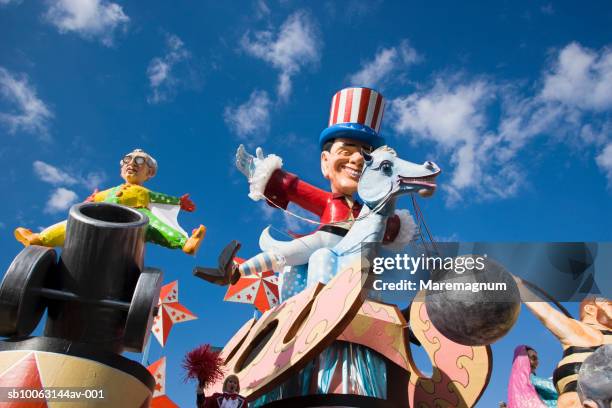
point(215, 400)
point(284, 187)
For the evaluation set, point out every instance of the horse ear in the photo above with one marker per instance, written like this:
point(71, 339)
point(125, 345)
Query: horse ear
point(366, 156)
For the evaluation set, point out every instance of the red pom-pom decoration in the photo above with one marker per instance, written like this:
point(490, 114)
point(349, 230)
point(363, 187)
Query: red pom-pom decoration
point(203, 364)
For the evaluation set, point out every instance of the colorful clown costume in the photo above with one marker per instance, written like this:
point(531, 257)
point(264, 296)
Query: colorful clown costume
point(161, 209)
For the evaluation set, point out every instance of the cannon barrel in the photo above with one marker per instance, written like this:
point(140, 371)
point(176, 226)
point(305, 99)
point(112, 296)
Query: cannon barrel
point(102, 259)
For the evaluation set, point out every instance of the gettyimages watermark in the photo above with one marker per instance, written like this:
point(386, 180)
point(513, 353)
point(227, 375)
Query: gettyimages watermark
point(411, 264)
point(566, 271)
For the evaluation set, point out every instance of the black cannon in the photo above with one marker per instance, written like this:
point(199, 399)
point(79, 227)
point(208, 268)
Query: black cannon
point(97, 294)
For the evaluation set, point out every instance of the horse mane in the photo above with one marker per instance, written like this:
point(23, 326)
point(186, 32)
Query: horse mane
point(386, 148)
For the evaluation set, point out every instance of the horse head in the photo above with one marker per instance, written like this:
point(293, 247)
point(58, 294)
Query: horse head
point(385, 177)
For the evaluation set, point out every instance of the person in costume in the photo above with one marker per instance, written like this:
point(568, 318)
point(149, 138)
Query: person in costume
point(137, 167)
point(229, 398)
point(579, 338)
point(354, 125)
point(525, 388)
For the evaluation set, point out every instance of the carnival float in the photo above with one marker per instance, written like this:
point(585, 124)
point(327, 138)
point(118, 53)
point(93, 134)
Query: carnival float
point(324, 338)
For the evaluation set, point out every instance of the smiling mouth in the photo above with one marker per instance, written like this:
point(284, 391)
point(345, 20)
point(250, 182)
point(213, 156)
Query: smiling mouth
point(351, 172)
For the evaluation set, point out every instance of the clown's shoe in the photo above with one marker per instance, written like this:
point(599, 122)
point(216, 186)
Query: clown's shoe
point(27, 237)
point(193, 243)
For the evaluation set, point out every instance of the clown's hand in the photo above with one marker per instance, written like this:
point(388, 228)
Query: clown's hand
point(186, 203)
point(246, 162)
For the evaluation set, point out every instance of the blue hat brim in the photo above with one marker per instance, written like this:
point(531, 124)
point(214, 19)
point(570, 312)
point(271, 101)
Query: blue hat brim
point(355, 131)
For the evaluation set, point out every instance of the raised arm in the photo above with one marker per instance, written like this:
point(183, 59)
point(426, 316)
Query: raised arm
point(563, 327)
point(161, 198)
point(268, 181)
point(183, 201)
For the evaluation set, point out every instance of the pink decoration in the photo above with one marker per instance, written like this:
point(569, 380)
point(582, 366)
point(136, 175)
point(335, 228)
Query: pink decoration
point(521, 393)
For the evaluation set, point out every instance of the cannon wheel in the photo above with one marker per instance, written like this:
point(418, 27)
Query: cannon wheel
point(21, 304)
point(142, 310)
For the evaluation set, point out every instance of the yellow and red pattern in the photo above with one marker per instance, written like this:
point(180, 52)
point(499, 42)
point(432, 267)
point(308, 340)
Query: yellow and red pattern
point(170, 312)
point(460, 373)
point(380, 327)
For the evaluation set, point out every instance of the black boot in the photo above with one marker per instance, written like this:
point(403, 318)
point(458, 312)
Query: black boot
point(227, 272)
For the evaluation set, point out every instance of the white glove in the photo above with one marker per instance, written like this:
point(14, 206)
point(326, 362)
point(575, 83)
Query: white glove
point(246, 162)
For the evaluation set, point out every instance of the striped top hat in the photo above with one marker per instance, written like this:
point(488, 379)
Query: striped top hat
point(356, 113)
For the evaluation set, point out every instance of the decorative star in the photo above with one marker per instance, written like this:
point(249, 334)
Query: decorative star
point(160, 399)
point(260, 290)
point(170, 312)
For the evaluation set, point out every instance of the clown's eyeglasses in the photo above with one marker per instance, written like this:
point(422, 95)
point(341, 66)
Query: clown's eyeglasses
point(138, 160)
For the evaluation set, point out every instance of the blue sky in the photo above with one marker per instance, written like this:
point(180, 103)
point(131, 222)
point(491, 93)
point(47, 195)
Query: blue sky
point(512, 99)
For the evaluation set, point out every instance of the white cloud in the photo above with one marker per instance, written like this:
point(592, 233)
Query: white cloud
point(251, 120)
point(91, 19)
point(580, 78)
point(571, 106)
point(447, 114)
point(93, 180)
point(52, 175)
point(162, 80)
point(29, 113)
point(61, 199)
point(261, 9)
point(453, 117)
point(57, 177)
point(387, 61)
point(296, 45)
point(592, 135)
point(604, 161)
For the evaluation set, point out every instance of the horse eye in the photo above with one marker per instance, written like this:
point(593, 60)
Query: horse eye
point(386, 167)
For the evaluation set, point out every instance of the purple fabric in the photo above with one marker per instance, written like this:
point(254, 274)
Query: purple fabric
point(521, 393)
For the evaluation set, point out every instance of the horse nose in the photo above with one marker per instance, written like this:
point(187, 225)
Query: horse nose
point(429, 165)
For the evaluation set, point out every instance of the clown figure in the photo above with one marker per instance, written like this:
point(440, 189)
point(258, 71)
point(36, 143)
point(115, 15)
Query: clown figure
point(137, 167)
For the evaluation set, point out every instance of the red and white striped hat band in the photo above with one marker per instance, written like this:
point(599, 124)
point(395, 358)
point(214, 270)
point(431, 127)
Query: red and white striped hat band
point(357, 105)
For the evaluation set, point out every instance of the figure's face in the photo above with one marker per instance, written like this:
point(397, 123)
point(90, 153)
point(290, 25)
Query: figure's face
point(231, 386)
point(134, 169)
point(533, 359)
point(343, 164)
point(604, 312)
